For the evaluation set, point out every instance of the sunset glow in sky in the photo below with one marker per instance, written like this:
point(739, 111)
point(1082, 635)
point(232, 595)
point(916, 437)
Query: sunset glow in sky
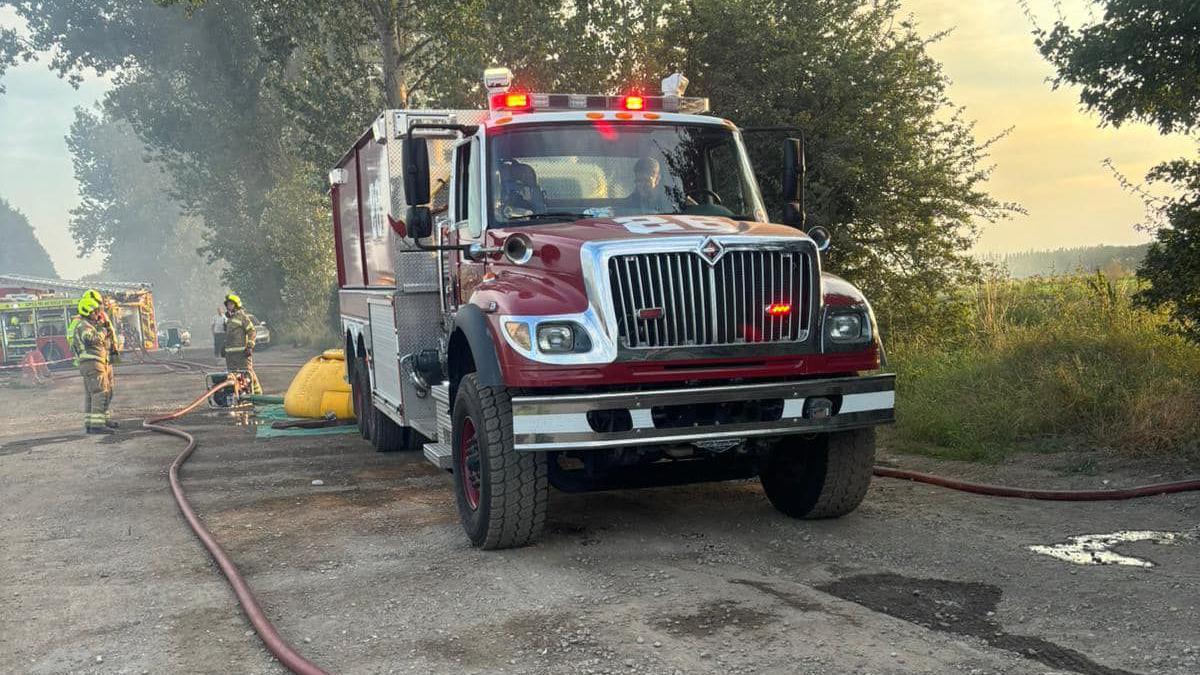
point(1051, 163)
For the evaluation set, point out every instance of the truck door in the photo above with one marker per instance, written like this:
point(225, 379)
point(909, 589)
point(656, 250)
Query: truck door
point(466, 220)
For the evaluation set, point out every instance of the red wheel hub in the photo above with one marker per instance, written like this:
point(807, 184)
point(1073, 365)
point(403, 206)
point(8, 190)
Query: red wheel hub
point(468, 456)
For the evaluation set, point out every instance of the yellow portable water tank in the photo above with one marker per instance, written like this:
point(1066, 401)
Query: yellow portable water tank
point(320, 387)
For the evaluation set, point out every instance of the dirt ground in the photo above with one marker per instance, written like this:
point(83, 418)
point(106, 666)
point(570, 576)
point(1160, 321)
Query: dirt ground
point(370, 573)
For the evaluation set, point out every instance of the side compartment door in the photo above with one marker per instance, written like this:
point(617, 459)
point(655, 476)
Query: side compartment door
point(386, 352)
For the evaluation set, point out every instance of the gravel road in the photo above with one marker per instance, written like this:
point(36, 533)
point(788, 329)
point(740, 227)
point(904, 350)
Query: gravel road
point(369, 572)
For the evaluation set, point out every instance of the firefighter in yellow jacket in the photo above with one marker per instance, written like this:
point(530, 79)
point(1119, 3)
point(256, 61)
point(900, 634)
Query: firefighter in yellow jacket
point(94, 295)
point(239, 340)
point(92, 342)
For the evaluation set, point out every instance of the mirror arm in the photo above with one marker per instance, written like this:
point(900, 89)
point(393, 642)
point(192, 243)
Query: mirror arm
point(465, 130)
point(473, 251)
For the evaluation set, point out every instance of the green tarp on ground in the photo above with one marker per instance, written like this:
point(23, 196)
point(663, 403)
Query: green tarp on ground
point(266, 414)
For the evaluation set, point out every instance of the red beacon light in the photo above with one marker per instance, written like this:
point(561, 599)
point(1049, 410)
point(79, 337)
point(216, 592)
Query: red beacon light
point(779, 309)
point(512, 100)
point(633, 103)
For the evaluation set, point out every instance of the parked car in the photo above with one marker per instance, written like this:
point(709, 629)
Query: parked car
point(171, 332)
point(262, 339)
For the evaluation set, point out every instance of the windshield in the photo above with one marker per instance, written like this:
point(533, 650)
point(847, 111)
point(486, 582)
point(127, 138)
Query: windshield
point(556, 172)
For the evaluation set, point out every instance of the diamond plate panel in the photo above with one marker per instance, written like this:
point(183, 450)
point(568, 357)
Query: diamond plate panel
point(418, 327)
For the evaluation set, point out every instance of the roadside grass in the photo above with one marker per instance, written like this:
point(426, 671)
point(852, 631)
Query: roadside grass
point(1044, 365)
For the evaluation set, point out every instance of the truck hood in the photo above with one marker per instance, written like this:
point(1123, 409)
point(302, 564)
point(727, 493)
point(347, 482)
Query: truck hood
point(552, 281)
point(574, 234)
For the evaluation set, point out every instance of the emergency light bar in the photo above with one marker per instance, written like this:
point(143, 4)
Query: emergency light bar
point(525, 102)
point(501, 97)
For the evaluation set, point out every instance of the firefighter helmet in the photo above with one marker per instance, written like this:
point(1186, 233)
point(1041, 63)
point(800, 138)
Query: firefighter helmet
point(233, 297)
point(87, 305)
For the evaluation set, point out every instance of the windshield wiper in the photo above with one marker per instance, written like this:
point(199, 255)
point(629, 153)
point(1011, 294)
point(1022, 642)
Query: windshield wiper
point(549, 215)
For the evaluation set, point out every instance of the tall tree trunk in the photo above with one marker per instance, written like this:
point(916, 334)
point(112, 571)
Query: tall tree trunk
point(394, 89)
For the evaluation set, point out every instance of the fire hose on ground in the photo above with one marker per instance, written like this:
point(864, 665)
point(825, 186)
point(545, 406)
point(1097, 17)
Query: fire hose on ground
point(284, 652)
point(1049, 495)
point(294, 661)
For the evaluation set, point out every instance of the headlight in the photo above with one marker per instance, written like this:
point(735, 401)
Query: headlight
point(562, 338)
point(848, 327)
point(556, 338)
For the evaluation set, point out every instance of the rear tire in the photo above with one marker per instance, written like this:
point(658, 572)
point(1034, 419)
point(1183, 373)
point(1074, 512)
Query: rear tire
point(356, 399)
point(364, 402)
point(501, 493)
point(386, 435)
point(826, 477)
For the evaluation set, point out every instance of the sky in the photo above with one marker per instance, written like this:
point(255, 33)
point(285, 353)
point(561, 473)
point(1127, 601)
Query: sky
point(1051, 162)
point(36, 175)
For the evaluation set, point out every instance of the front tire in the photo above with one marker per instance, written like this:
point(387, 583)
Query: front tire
point(826, 477)
point(501, 493)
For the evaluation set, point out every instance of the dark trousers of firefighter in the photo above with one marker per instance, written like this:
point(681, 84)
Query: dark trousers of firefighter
point(97, 392)
point(236, 360)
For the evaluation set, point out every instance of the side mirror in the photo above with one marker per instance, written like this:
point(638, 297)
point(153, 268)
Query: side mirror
point(416, 172)
point(420, 222)
point(416, 188)
point(793, 182)
point(820, 237)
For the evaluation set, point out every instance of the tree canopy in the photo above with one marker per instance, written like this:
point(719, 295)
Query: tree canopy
point(246, 102)
point(128, 212)
point(1140, 62)
point(1172, 263)
point(21, 253)
point(894, 170)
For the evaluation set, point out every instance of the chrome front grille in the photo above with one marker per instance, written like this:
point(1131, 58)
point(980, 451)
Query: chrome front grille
point(680, 299)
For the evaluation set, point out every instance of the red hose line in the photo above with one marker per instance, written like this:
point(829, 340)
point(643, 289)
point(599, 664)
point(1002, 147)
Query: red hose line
point(294, 661)
point(1051, 495)
point(287, 655)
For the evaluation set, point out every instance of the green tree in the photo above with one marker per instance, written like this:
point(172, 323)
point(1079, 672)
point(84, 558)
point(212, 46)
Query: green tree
point(127, 213)
point(194, 86)
point(21, 253)
point(234, 98)
point(224, 92)
point(294, 228)
point(894, 170)
point(1172, 263)
point(1140, 62)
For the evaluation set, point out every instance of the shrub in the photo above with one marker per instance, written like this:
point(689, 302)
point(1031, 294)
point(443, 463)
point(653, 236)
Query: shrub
point(1047, 363)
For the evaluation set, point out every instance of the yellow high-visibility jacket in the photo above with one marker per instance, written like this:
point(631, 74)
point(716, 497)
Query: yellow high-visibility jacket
point(239, 332)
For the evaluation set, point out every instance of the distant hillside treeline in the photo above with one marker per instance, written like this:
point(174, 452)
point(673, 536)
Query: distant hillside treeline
point(1112, 260)
point(20, 250)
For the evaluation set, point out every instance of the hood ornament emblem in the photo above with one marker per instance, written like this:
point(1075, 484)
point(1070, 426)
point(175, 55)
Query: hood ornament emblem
point(711, 249)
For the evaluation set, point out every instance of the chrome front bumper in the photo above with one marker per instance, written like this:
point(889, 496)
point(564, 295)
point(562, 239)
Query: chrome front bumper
point(560, 422)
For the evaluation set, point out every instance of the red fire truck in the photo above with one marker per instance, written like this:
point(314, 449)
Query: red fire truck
point(584, 292)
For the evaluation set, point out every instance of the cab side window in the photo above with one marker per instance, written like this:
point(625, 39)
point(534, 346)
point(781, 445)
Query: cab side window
point(462, 169)
point(724, 177)
point(466, 196)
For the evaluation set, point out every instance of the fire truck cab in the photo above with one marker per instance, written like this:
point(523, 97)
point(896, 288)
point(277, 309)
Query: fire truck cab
point(584, 292)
